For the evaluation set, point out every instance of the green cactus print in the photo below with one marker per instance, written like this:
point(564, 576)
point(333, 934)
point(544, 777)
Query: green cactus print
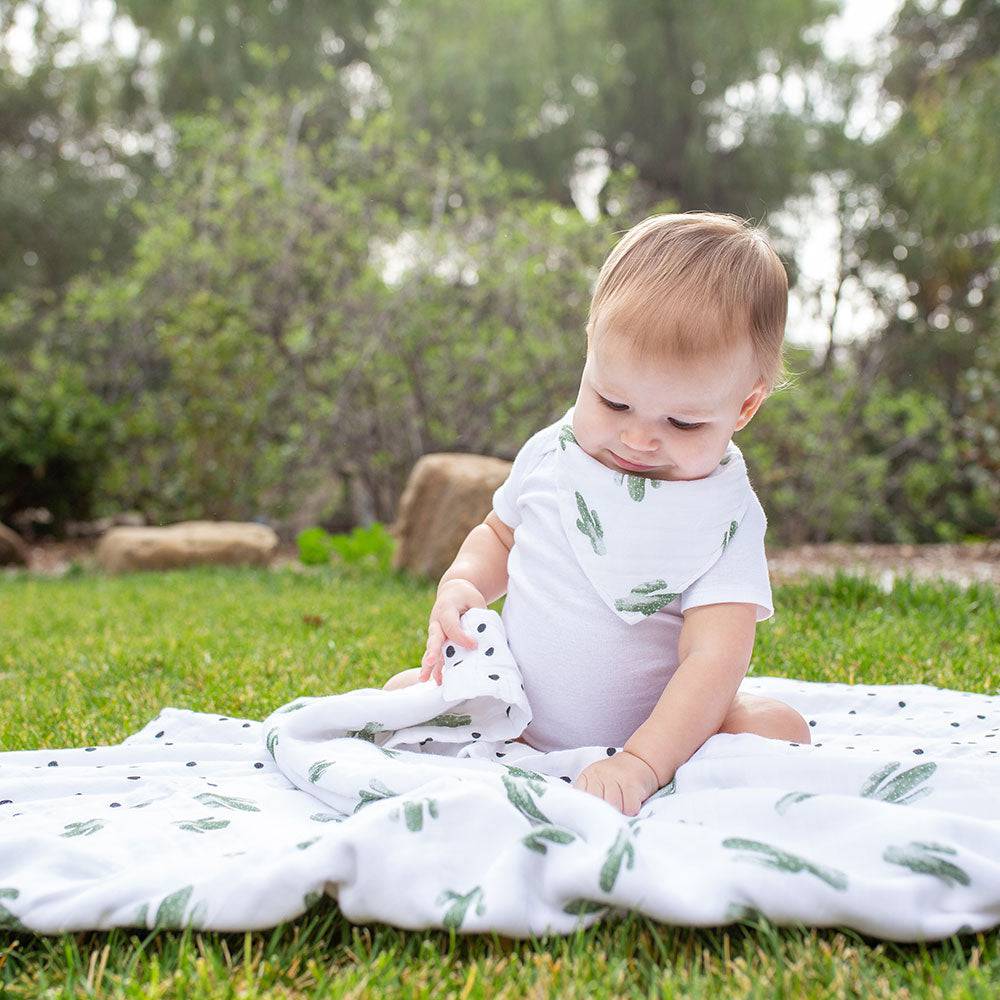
point(902, 789)
point(327, 818)
point(294, 707)
point(227, 802)
point(646, 598)
point(272, 741)
point(388, 753)
point(170, 912)
point(555, 834)
point(316, 770)
point(378, 792)
point(637, 485)
point(7, 919)
point(669, 788)
point(566, 434)
point(741, 911)
point(917, 857)
point(533, 776)
point(460, 904)
point(786, 862)
point(414, 813)
point(306, 843)
point(725, 459)
point(202, 825)
point(583, 907)
point(520, 797)
point(449, 720)
point(590, 524)
point(621, 850)
point(727, 536)
point(82, 829)
point(786, 801)
point(367, 732)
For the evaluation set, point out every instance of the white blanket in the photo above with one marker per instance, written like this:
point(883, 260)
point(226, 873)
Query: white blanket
point(415, 808)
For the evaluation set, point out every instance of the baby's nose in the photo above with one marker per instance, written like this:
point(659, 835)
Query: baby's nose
point(639, 442)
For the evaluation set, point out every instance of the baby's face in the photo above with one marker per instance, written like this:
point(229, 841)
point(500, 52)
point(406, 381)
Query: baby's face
point(673, 420)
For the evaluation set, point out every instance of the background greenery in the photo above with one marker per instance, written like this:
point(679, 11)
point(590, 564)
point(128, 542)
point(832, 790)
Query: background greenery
point(196, 319)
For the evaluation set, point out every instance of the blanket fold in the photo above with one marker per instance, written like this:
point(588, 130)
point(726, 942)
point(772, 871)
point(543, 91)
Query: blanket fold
point(417, 808)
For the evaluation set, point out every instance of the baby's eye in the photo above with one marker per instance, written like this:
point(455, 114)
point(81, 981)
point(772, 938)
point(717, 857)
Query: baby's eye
point(679, 424)
point(617, 407)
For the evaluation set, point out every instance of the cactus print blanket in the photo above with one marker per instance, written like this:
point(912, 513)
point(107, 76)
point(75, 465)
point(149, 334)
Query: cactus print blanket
point(416, 808)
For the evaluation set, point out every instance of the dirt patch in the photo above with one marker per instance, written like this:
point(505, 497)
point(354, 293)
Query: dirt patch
point(963, 564)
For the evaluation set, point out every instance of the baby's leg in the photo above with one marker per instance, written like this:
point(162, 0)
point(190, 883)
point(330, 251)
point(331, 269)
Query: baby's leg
point(751, 713)
point(403, 679)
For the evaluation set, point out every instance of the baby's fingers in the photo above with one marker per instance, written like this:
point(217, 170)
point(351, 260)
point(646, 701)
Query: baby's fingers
point(432, 654)
point(453, 630)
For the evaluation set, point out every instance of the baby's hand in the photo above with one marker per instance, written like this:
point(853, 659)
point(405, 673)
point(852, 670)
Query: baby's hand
point(624, 780)
point(454, 598)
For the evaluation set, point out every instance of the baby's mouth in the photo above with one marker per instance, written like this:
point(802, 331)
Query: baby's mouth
point(631, 465)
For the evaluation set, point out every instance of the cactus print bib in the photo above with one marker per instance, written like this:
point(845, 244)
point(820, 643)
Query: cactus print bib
point(640, 541)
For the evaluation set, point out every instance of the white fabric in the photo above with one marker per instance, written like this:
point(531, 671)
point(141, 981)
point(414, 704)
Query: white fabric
point(642, 541)
point(589, 676)
point(888, 823)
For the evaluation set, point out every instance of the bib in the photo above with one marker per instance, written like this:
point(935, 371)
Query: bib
point(641, 542)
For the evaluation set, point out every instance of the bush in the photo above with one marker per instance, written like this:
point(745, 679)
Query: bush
point(834, 460)
point(370, 547)
point(56, 438)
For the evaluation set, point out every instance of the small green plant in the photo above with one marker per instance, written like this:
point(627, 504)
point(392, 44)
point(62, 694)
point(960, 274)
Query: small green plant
point(371, 547)
point(314, 546)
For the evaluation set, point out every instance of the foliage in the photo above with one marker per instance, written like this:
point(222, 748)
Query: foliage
point(255, 347)
point(370, 547)
point(55, 440)
point(314, 546)
point(832, 459)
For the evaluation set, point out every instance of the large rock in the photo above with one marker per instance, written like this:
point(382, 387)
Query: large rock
point(446, 496)
point(188, 543)
point(13, 549)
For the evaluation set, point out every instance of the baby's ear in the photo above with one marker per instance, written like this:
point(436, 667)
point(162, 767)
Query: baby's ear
point(752, 403)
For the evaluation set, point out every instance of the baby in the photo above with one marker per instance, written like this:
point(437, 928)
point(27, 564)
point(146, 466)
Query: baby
point(627, 538)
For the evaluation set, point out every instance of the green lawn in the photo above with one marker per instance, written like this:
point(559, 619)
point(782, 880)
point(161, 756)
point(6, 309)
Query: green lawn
point(88, 659)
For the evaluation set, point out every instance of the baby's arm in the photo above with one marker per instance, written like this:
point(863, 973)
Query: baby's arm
point(482, 559)
point(716, 642)
point(476, 578)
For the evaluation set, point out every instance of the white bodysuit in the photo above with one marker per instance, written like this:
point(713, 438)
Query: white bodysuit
point(590, 677)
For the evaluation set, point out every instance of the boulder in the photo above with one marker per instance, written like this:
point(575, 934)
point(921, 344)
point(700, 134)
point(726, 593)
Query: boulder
point(13, 549)
point(446, 496)
point(188, 543)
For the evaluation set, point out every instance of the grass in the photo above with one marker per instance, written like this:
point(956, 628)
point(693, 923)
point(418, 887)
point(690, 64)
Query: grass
point(88, 659)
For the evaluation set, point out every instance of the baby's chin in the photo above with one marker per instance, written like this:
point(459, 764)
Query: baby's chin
point(668, 473)
point(657, 472)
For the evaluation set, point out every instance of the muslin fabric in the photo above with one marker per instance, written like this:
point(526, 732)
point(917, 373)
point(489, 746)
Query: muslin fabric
point(416, 807)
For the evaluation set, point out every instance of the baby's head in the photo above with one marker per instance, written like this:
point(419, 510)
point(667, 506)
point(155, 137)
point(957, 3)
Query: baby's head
point(684, 343)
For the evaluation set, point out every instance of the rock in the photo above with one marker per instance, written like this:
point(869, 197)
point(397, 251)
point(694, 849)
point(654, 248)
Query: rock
point(91, 529)
point(13, 549)
point(188, 543)
point(446, 496)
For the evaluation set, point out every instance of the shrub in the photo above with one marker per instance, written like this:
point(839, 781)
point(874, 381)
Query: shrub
point(56, 438)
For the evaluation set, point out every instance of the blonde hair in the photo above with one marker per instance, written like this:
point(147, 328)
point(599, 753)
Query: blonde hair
point(693, 284)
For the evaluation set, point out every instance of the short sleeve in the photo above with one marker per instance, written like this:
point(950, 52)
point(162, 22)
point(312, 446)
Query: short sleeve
point(507, 493)
point(740, 573)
